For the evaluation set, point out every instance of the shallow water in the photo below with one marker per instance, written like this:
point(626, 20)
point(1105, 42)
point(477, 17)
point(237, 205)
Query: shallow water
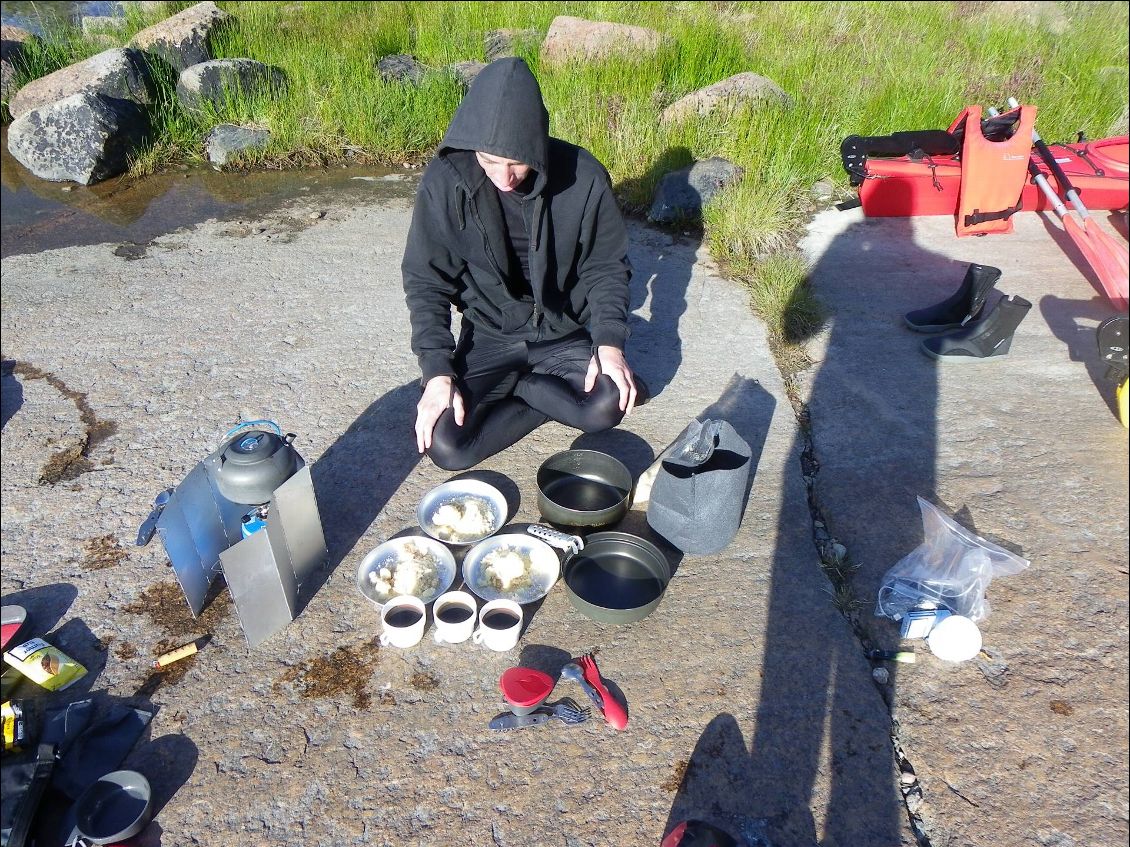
point(36, 17)
point(40, 215)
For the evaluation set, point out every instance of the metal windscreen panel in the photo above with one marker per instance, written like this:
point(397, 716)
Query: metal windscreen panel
point(204, 521)
point(194, 578)
point(261, 580)
point(295, 509)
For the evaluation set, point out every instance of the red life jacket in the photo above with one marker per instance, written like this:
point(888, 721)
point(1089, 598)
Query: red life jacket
point(993, 173)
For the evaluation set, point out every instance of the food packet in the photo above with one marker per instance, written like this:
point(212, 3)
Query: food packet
point(48, 666)
point(20, 725)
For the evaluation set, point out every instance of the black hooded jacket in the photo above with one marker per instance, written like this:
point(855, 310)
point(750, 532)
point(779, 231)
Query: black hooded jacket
point(457, 250)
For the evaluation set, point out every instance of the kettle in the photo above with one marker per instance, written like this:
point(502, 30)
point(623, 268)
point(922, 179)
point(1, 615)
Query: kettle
point(254, 460)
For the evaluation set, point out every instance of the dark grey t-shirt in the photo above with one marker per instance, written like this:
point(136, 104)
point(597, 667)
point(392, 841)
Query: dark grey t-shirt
point(517, 232)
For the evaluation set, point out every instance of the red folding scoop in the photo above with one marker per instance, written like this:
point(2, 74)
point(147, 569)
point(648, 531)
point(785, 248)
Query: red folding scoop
point(524, 688)
point(13, 620)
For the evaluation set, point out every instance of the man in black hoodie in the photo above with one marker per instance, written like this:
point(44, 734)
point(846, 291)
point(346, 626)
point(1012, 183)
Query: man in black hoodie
point(521, 233)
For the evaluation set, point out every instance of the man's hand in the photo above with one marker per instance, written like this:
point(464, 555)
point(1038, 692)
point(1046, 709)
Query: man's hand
point(610, 361)
point(439, 394)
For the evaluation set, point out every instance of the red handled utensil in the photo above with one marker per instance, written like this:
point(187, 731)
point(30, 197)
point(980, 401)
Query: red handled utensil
point(614, 711)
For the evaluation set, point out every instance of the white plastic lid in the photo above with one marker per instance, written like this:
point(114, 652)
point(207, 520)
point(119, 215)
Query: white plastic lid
point(955, 639)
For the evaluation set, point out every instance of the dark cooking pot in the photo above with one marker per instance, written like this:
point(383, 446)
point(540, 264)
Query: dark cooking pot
point(252, 464)
point(583, 488)
point(617, 577)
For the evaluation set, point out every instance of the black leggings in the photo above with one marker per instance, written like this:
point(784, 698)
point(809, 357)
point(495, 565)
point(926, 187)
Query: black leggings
point(510, 388)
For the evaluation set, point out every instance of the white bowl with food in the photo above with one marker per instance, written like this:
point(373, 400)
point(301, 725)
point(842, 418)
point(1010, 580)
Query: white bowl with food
point(462, 511)
point(511, 567)
point(411, 564)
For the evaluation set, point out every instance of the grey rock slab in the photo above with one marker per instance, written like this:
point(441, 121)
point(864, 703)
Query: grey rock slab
point(572, 38)
point(466, 72)
point(84, 138)
point(217, 79)
point(509, 42)
point(227, 140)
point(118, 72)
point(748, 694)
point(1025, 451)
point(182, 40)
point(681, 195)
point(743, 88)
point(401, 68)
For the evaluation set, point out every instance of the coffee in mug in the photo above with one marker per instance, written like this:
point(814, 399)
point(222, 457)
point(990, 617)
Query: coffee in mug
point(402, 621)
point(500, 624)
point(454, 614)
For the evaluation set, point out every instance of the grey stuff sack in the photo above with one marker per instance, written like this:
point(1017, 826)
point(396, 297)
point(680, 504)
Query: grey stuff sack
point(699, 492)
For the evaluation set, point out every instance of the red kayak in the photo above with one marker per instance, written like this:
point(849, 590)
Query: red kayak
point(907, 187)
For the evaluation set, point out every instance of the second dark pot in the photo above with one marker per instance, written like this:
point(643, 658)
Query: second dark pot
point(583, 488)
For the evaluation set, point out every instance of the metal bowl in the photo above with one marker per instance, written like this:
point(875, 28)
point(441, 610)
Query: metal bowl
point(386, 556)
point(584, 488)
point(456, 493)
point(545, 568)
point(116, 807)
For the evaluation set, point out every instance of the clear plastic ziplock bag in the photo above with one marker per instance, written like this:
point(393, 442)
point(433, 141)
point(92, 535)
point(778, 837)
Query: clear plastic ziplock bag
point(951, 568)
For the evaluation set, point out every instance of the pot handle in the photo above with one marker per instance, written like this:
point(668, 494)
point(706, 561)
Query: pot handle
point(572, 544)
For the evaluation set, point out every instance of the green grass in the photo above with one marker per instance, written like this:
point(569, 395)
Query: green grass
point(862, 67)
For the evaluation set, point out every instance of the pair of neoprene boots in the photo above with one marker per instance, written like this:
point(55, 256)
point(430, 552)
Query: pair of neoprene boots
point(976, 337)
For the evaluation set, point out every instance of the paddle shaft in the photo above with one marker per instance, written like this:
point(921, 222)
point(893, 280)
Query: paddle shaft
point(1053, 165)
point(1107, 259)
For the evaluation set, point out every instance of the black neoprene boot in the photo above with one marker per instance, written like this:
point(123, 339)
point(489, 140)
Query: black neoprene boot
point(986, 339)
point(961, 307)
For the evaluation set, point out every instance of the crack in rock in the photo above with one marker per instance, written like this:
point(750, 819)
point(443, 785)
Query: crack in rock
point(74, 459)
point(838, 568)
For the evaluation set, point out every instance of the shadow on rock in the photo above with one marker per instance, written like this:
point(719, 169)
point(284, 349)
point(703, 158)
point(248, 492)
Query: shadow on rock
point(45, 605)
point(660, 278)
point(1073, 322)
point(544, 658)
point(11, 392)
point(714, 787)
point(168, 763)
point(1071, 250)
point(358, 473)
point(629, 448)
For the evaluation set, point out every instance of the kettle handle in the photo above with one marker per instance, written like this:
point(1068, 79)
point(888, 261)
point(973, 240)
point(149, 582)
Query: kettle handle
point(246, 424)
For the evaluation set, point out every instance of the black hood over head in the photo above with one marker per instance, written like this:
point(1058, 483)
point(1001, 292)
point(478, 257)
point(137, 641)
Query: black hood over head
point(503, 114)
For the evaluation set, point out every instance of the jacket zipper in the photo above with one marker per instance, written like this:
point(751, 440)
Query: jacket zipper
point(498, 268)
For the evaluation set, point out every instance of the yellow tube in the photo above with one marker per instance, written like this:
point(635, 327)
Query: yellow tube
point(184, 652)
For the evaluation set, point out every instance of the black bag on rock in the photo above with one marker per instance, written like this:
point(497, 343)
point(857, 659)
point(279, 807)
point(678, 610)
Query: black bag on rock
point(699, 493)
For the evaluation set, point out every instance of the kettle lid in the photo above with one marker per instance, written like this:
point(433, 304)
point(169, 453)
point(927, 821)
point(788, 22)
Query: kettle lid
point(249, 448)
